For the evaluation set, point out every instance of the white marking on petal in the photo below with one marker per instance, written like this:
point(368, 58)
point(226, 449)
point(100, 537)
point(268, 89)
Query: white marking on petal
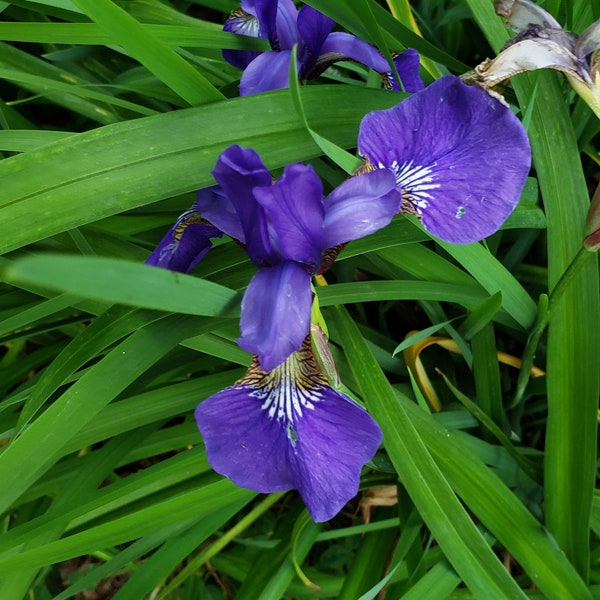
point(415, 181)
point(460, 211)
point(244, 24)
point(290, 389)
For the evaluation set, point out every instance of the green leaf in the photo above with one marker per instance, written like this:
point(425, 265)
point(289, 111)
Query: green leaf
point(157, 57)
point(21, 462)
point(481, 316)
point(573, 378)
point(122, 282)
point(448, 521)
point(56, 188)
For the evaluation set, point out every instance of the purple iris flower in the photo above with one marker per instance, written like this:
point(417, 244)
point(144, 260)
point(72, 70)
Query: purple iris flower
point(286, 226)
point(461, 157)
point(317, 47)
point(288, 429)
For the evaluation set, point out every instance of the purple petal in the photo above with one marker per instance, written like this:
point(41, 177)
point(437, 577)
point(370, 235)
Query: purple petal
point(216, 207)
point(266, 14)
point(287, 32)
point(269, 71)
point(335, 440)
point(242, 442)
point(294, 209)
point(277, 20)
point(238, 171)
point(407, 64)
point(313, 27)
point(275, 315)
point(360, 206)
point(243, 22)
point(185, 244)
point(289, 430)
point(460, 157)
point(343, 46)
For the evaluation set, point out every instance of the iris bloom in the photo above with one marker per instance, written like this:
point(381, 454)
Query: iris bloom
point(542, 43)
point(317, 47)
point(460, 157)
point(288, 429)
point(286, 227)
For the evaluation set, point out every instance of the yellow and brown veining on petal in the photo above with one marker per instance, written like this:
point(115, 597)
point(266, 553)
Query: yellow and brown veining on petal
point(328, 257)
point(408, 208)
point(300, 367)
point(189, 218)
point(366, 167)
point(289, 389)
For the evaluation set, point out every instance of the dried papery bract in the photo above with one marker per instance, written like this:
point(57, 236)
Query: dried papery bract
point(541, 43)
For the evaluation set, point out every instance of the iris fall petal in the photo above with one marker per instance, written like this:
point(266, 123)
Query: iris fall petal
point(288, 429)
point(185, 244)
point(269, 71)
point(460, 156)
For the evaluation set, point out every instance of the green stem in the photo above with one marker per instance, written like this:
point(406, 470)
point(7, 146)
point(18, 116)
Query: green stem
point(206, 554)
point(566, 278)
point(545, 307)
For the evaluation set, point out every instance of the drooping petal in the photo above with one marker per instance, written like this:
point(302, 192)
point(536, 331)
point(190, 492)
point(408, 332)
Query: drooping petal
point(244, 23)
point(334, 441)
point(460, 157)
point(407, 65)
point(185, 244)
point(528, 55)
point(216, 207)
point(287, 429)
point(242, 442)
point(238, 171)
point(344, 46)
point(269, 71)
point(294, 209)
point(360, 206)
point(313, 27)
point(275, 316)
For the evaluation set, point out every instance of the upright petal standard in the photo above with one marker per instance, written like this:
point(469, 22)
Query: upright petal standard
point(460, 156)
point(288, 429)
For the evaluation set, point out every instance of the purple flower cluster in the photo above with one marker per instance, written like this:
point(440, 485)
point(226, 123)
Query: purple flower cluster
point(317, 47)
point(451, 154)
